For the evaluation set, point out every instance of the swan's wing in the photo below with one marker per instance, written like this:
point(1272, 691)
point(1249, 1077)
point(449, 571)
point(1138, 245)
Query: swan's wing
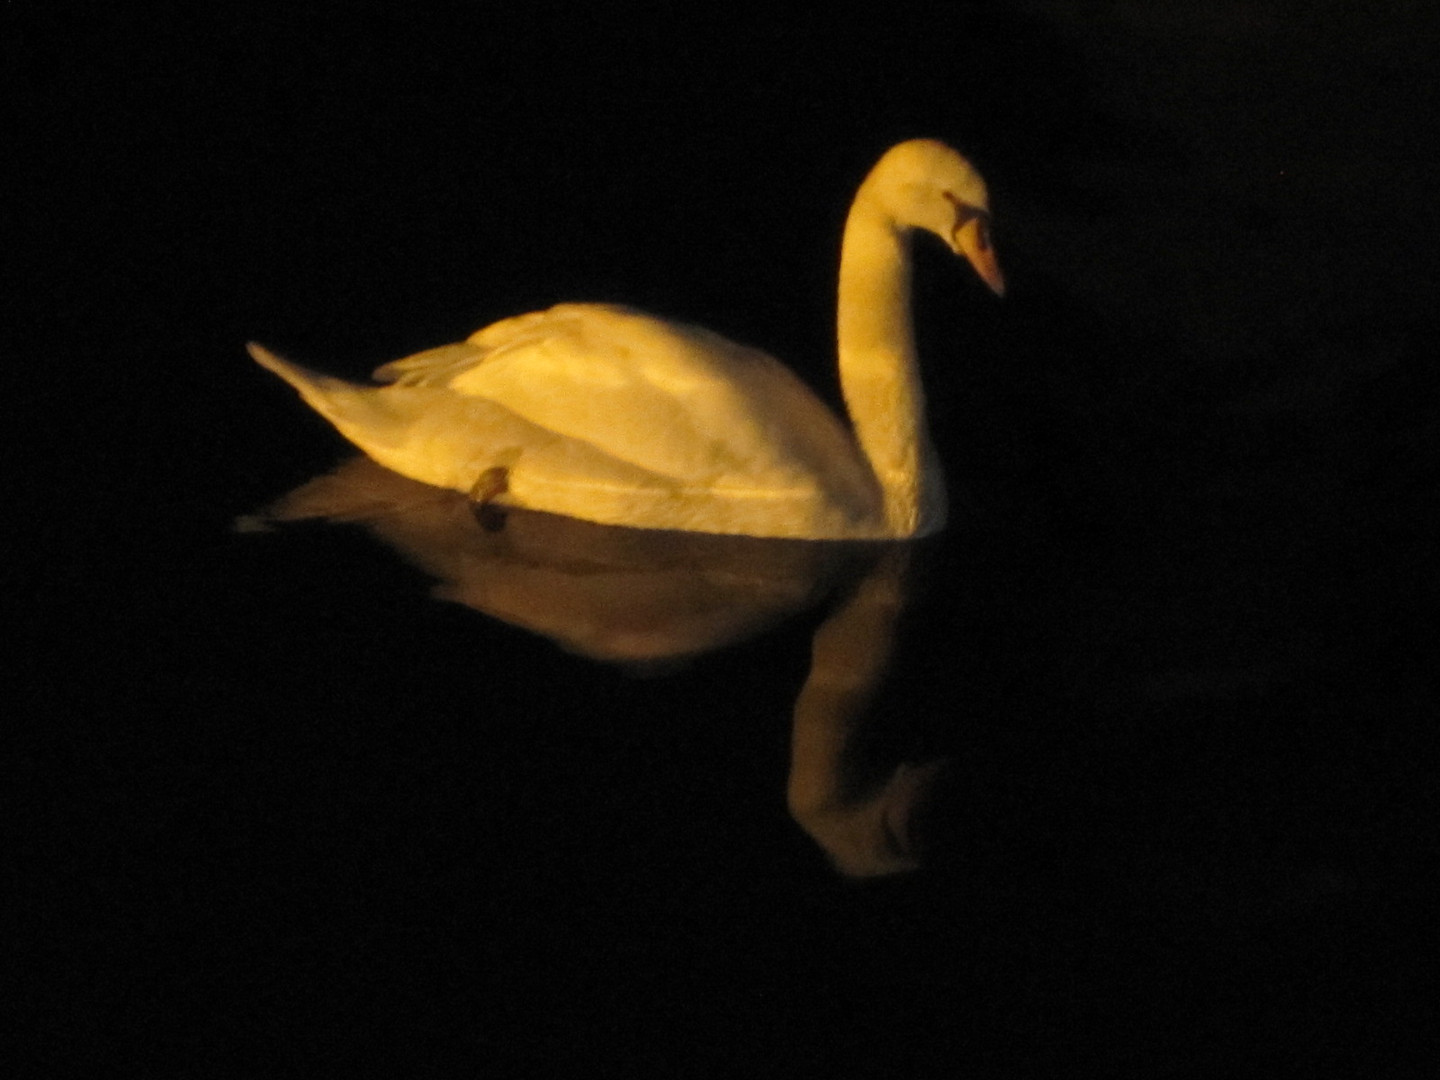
point(433, 367)
point(441, 366)
point(673, 399)
point(607, 403)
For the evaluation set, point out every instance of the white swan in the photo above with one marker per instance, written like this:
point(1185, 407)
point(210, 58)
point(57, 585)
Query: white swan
point(610, 415)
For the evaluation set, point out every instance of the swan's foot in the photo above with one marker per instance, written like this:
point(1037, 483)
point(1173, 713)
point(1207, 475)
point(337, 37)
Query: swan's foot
point(491, 484)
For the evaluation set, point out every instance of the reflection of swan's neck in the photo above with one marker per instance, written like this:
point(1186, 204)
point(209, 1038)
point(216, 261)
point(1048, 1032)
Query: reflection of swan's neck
point(878, 370)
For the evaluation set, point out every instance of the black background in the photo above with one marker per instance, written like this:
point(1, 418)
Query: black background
point(272, 810)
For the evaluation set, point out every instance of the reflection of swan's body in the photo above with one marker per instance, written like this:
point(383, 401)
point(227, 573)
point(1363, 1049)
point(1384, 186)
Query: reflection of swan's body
point(610, 415)
point(632, 596)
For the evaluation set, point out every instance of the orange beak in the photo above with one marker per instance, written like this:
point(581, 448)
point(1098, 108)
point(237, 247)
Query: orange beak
point(972, 239)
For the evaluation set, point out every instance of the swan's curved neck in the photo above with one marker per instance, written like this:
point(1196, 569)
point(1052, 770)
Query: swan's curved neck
point(879, 374)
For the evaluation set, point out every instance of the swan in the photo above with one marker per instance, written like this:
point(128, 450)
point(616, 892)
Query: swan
point(604, 413)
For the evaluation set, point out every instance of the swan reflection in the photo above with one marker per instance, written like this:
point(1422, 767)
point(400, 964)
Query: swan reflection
point(645, 597)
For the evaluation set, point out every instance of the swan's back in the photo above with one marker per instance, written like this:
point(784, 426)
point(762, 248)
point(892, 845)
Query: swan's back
point(609, 414)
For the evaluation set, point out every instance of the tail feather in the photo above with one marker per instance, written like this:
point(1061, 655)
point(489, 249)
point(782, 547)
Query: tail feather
point(354, 409)
point(427, 433)
point(314, 387)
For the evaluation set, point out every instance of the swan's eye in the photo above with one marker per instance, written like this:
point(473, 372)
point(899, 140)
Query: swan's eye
point(970, 220)
point(965, 213)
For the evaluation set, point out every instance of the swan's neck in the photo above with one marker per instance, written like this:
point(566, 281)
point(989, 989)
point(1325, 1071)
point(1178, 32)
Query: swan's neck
point(878, 370)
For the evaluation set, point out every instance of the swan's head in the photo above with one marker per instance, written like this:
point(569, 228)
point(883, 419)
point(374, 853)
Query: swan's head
point(924, 184)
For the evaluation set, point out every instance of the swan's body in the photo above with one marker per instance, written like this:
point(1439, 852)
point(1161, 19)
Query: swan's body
point(610, 415)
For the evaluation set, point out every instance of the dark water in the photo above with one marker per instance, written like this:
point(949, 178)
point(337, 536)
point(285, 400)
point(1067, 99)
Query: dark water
point(272, 809)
